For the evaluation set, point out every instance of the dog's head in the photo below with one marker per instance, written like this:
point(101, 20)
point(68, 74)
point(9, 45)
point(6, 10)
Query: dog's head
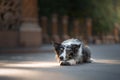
point(67, 50)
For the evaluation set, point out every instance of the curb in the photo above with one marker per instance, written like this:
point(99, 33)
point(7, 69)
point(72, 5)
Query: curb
point(42, 49)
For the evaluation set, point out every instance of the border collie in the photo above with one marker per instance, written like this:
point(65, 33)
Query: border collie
point(71, 52)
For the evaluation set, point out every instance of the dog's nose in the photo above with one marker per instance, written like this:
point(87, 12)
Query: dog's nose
point(61, 58)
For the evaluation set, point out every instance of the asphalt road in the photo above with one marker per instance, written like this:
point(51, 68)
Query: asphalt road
point(43, 66)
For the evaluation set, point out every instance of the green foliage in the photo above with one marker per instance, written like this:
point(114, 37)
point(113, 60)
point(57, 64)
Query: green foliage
point(101, 11)
point(103, 16)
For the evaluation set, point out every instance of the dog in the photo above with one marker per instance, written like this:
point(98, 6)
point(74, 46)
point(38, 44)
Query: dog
point(71, 52)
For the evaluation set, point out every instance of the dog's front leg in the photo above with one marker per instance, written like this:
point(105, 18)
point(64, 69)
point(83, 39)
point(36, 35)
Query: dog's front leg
point(68, 63)
point(79, 59)
point(72, 62)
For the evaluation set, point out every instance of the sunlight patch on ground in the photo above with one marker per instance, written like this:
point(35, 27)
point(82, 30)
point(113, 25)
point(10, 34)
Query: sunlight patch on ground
point(19, 73)
point(21, 70)
point(14, 72)
point(31, 64)
point(106, 61)
point(30, 74)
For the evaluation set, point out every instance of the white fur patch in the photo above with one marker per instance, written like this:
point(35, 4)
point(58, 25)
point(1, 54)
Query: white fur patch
point(64, 54)
point(72, 61)
point(71, 41)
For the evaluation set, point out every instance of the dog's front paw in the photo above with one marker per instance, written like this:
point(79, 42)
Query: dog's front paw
point(65, 64)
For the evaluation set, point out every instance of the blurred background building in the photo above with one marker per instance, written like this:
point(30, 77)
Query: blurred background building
point(30, 23)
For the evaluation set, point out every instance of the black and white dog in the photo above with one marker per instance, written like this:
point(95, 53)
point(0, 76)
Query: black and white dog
point(71, 52)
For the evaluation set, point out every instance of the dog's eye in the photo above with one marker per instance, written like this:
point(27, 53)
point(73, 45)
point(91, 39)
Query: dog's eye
point(61, 49)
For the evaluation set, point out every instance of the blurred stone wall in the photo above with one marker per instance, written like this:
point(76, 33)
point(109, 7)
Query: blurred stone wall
point(19, 24)
point(10, 13)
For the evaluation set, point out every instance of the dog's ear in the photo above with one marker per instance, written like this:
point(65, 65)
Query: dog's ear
point(75, 47)
point(56, 45)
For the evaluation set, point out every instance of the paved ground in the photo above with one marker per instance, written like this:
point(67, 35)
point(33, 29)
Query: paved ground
point(43, 66)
